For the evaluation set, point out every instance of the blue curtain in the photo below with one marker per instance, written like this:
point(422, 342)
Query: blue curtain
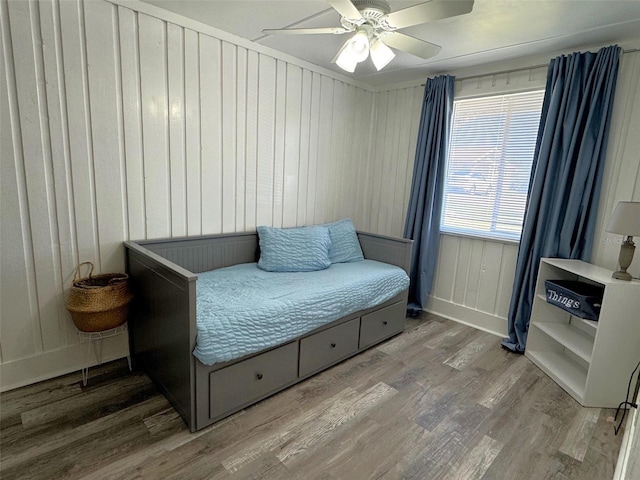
point(566, 175)
point(425, 201)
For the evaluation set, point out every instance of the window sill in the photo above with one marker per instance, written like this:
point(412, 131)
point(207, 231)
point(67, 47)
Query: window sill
point(504, 241)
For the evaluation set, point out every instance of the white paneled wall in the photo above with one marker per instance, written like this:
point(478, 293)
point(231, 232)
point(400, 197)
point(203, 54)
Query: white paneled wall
point(622, 172)
point(119, 125)
point(474, 277)
point(393, 151)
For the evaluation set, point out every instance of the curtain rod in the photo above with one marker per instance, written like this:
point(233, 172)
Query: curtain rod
point(631, 50)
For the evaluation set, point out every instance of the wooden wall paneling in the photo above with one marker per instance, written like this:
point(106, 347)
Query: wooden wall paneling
point(193, 132)
point(507, 274)
point(417, 93)
point(229, 131)
point(36, 145)
point(155, 121)
point(329, 188)
point(446, 268)
point(341, 128)
point(314, 146)
point(104, 94)
point(336, 161)
point(407, 121)
point(400, 198)
point(627, 186)
point(490, 276)
point(359, 154)
point(350, 142)
point(18, 298)
point(132, 120)
point(386, 126)
point(292, 154)
point(324, 147)
point(60, 157)
point(176, 112)
point(79, 127)
point(266, 140)
point(397, 171)
point(358, 163)
point(211, 133)
point(365, 173)
point(304, 153)
point(280, 131)
point(251, 171)
point(371, 159)
point(241, 139)
point(382, 106)
point(506, 82)
point(390, 164)
point(622, 169)
point(356, 139)
point(415, 126)
point(462, 269)
point(384, 167)
point(355, 145)
point(475, 267)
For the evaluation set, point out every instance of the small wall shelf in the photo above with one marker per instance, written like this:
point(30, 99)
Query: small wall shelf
point(591, 360)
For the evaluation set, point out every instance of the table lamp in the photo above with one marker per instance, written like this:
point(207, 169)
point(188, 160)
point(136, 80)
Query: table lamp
point(625, 220)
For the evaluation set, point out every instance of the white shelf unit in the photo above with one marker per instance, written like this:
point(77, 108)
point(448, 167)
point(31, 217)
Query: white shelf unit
point(591, 360)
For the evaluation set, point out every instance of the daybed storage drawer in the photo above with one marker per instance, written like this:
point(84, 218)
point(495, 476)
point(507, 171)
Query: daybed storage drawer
point(328, 346)
point(382, 323)
point(250, 379)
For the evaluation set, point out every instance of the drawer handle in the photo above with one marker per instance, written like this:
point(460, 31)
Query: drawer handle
point(385, 322)
point(259, 376)
point(333, 345)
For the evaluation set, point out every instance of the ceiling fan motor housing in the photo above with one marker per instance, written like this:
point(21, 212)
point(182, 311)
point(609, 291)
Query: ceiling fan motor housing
point(373, 18)
point(372, 8)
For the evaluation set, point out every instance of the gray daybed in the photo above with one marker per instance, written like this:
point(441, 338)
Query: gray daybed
point(162, 325)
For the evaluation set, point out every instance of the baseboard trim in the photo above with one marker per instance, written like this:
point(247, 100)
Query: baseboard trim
point(467, 316)
point(48, 365)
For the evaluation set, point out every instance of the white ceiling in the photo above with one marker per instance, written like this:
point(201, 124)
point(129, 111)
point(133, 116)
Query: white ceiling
point(496, 30)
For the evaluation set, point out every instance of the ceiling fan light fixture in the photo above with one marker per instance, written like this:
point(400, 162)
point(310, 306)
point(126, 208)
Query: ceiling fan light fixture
point(354, 51)
point(358, 46)
point(381, 54)
point(345, 59)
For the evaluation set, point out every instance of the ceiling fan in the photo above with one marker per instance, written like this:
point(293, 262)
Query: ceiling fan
point(375, 29)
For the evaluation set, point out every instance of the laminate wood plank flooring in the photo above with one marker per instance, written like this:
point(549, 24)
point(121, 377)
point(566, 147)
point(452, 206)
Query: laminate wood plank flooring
point(439, 401)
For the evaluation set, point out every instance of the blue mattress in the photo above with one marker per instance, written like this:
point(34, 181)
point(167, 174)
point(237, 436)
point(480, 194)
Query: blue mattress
point(242, 309)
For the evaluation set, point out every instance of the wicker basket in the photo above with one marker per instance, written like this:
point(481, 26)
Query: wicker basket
point(99, 302)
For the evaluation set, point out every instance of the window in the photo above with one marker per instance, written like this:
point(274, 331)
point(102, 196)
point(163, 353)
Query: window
point(490, 155)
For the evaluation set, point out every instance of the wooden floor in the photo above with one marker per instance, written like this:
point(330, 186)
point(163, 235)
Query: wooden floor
point(440, 401)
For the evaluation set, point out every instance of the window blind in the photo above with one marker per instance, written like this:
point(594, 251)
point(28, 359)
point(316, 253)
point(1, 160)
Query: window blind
point(489, 164)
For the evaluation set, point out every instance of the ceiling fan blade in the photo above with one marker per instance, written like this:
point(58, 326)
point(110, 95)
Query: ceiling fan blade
point(428, 12)
point(346, 9)
point(411, 45)
point(304, 31)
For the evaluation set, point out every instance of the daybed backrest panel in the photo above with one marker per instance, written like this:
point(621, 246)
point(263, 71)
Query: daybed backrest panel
point(201, 254)
point(394, 251)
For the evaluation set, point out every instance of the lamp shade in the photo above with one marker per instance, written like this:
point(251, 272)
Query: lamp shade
point(345, 60)
point(381, 55)
point(359, 46)
point(354, 51)
point(625, 219)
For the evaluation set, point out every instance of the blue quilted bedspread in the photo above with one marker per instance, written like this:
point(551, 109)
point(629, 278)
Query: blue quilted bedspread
point(242, 309)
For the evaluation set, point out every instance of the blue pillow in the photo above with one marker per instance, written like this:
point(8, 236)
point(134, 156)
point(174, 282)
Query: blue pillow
point(345, 246)
point(301, 249)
